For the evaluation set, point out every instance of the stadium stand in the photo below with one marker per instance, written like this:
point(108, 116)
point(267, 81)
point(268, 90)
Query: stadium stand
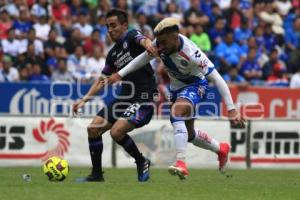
point(256, 40)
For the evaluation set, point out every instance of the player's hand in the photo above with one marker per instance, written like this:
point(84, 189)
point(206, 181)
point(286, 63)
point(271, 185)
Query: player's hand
point(236, 120)
point(76, 106)
point(113, 79)
point(151, 50)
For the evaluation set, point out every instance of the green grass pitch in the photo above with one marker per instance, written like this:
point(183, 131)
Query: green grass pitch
point(122, 184)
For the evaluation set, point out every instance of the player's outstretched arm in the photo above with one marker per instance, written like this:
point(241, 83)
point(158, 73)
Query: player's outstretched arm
point(148, 45)
point(95, 88)
point(236, 120)
point(134, 65)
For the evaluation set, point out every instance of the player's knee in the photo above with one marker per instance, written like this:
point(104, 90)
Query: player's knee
point(94, 132)
point(116, 133)
point(181, 111)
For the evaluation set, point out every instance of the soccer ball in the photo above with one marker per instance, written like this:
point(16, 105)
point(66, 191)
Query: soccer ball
point(56, 169)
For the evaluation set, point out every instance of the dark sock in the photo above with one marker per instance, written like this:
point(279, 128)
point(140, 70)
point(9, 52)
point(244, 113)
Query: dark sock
point(192, 137)
point(96, 148)
point(130, 147)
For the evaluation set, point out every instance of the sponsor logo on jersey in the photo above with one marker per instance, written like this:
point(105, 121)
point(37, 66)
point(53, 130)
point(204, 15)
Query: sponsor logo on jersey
point(125, 45)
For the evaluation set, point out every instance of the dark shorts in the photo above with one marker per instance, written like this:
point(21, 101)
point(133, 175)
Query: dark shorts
point(137, 113)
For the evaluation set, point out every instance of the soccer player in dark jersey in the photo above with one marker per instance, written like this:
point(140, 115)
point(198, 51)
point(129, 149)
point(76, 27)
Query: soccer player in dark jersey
point(123, 114)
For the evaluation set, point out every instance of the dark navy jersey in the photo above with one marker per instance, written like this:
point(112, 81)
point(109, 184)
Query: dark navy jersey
point(122, 53)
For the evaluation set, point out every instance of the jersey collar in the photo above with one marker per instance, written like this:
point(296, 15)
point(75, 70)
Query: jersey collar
point(123, 36)
point(181, 43)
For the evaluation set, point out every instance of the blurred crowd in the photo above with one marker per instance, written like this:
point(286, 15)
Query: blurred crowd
point(251, 42)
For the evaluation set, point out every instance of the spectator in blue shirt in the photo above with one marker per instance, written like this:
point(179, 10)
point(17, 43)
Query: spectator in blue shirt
point(217, 32)
point(259, 36)
point(101, 27)
point(22, 25)
point(195, 15)
point(184, 5)
point(36, 75)
point(233, 77)
point(250, 69)
point(289, 20)
point(243, 33)
point(292, 36)
point(216, 13)
point(272, 63)
point(206, 7)
point(51, 63)
point(150, 9)
point(269, 38)
point(251, 43)
point(229, 52)
point(77, 8)
point(245, 5)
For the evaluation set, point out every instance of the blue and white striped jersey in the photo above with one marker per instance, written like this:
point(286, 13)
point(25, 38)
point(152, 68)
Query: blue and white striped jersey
point(186, 66)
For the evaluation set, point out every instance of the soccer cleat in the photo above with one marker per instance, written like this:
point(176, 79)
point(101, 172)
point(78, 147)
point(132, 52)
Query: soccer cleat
point(92, 178)
point(223, 156)
point(179, 169)
point(143, 170)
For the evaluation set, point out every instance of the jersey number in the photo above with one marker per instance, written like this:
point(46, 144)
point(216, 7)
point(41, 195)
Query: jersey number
point(197, 54)
point(131, 110)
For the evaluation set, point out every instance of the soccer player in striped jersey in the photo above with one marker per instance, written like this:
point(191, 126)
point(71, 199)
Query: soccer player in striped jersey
point(189, 70)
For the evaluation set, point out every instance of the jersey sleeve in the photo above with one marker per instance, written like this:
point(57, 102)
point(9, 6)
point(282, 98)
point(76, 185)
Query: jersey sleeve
point(136, 36)
point(154, 42)
point(109, 67)
point(137, 63)
point(202, 61)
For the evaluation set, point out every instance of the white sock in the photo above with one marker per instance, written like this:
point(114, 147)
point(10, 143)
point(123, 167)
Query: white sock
point(181, 139)
point(204, 141)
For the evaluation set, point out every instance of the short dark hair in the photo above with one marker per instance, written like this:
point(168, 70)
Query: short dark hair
point(229, 31)
point(168, 30)
point(252, 48)
point(213, 5)
point(121, 15)
point(274, 50)
point(61, 59)
point(94, 31)
point(10, 29)
point(31, 29)
point(219, 18)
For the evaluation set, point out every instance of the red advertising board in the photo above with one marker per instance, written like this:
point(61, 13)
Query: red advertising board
point(258, 102)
